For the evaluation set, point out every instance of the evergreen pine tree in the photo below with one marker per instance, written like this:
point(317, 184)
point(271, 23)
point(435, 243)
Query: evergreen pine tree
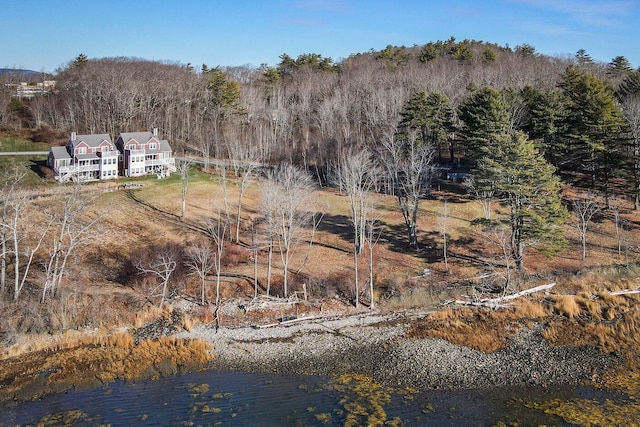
point(630, 85)
point(430, 115)
point(546, 111)
point(620, 66)
point(520, 176)
point(595, 125)
point(485, 116)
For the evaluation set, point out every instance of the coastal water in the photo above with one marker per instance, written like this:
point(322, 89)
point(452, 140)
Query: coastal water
point(251, 399)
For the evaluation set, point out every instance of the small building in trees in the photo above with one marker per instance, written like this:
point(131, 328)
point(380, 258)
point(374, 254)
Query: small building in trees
point(143, 153)
point(84, 158)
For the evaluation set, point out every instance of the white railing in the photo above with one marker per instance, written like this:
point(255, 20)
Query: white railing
point(170, 164)
point(65, 169)
point(77, 168)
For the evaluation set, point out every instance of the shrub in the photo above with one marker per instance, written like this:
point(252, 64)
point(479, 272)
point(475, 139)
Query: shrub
point(567, 305)
point(235, 254)
point(44, 134)
point(530, 309)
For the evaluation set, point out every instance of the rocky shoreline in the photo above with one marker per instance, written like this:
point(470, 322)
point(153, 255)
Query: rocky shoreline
point(374, 345)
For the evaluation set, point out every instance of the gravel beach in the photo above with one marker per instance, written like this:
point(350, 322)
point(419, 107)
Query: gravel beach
point(374, 344)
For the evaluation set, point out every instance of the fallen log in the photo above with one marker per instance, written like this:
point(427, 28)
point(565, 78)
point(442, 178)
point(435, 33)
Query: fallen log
point(498, 302)
point(626, 292)
point(286, 322)
point(482, 303)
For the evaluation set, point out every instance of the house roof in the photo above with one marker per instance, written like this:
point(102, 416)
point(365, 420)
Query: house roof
point(92, 140)
point(60, 153)
point(143, 138)
point(164, 145)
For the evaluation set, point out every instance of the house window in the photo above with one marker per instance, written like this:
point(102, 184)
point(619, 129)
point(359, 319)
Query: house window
point(82, 150)
point(152, 146)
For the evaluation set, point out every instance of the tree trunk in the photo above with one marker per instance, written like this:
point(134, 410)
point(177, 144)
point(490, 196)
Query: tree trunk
point(355, 267)
point(3, 262)
point(371, 276)
point(269, 263)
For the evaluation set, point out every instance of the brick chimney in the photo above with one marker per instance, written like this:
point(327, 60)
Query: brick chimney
point(73, 136)
point(155, 132)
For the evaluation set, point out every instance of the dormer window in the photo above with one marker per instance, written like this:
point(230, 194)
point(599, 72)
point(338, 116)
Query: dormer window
point(152, 146)
point(82, 150)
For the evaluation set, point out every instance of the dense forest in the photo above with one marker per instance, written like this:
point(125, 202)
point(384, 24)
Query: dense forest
point(582, 115)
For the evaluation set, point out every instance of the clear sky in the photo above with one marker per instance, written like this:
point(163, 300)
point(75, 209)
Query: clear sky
point(43, 35)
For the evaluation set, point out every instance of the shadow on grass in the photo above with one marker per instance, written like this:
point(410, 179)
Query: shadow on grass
point(172, 218)
point(395, 237)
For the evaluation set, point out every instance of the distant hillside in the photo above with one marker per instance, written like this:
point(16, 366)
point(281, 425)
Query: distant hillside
point(18, 72)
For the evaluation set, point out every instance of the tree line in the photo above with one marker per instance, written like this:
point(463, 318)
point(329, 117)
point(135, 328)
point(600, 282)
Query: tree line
point(580, 113)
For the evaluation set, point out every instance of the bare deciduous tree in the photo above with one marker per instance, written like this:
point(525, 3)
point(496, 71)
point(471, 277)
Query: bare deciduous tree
point(484, 195)
point(183, 168)
point(584, 210)
point(10, 183)
point(217, 230)
point(356, 174)
point(628, 241)
point(224, 181)
point(20, 226)
point(287, 190)
point(615, 205)
point(244, 169)
point(631, 110)
point(73, 227)
point(373, 231)
point(410, 165)
point(443, 230)
point(200, 261)
point(500, 239)
point(162, 265)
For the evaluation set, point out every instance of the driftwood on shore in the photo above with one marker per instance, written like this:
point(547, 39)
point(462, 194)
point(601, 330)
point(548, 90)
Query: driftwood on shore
point(499, 302)
point(286, 322)
point(269, 302)
point(627, 291)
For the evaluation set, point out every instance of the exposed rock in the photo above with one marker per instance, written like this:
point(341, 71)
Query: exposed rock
point(372, 345)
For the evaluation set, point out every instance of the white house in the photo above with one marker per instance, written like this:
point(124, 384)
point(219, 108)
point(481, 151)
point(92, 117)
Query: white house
point(142, 153)
point(84, 158)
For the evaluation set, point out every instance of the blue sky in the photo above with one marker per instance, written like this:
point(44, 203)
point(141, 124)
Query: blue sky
point(43, 35)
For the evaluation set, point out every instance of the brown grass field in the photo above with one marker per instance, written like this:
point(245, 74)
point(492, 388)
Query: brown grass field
point(136, 222)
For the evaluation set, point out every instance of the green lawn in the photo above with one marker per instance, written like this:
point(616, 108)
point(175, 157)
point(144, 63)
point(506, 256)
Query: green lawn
point(30, 163)
point(12, 143)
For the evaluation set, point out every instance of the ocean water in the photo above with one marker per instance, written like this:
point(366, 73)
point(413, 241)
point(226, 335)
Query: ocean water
point(226, 398)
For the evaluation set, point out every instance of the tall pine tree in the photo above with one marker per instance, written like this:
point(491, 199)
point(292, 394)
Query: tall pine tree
point(546, 111)
point(594, 127)
point(430, 115)
point(526, 183)
point(485, 115)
